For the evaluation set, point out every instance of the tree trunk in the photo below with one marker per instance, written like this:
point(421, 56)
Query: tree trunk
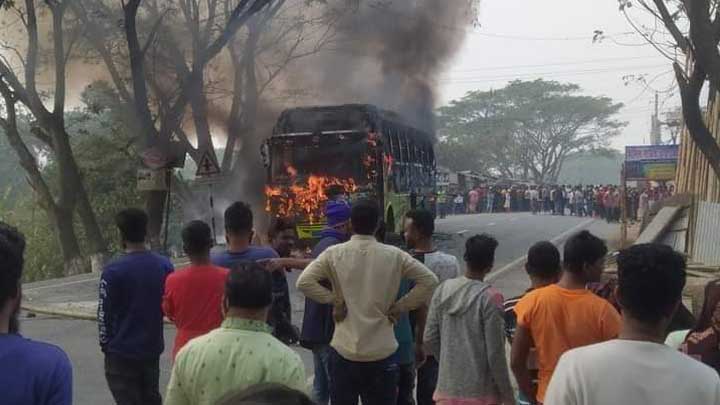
point(155, 207)
point(73, 262)
point(690, 88)
point(73, 192)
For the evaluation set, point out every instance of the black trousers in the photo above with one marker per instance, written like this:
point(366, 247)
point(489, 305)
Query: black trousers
point(133, 382)
point(427, 378)
point(406, 384)
point(376, 383)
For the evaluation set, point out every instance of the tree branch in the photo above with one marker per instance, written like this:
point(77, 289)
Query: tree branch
point(669, 22)
point(58, 11)
point(690, 88)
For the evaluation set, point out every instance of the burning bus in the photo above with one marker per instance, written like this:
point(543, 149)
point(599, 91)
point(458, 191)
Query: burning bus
point(348, 151)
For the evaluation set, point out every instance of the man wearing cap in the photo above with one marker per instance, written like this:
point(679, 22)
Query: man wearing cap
point(318, 325)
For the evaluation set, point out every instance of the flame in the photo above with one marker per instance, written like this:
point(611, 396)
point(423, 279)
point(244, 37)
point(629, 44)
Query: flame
point(304, 199)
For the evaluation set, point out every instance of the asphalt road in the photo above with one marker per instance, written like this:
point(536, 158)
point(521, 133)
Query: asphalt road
point(515, 232)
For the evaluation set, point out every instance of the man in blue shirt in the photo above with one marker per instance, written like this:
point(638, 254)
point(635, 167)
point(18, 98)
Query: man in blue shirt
point(130, 317)
point(30, 372)
point(239, 234)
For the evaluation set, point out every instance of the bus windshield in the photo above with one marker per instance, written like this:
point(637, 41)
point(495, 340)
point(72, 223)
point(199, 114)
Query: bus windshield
point(329, 155)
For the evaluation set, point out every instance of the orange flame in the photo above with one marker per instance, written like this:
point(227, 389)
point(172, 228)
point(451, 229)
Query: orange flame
point(305, 200)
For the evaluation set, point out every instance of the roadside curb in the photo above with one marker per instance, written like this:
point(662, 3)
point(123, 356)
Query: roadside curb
point(68, 313)
point(59, 312)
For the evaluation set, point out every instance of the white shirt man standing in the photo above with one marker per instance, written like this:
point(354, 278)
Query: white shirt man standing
point(637, 368)
point(365, 276)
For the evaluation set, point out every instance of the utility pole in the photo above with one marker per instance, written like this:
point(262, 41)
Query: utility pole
point(655, 133)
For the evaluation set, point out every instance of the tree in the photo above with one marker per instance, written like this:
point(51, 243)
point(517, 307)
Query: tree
point(693, 28)
point(177, 72)
point(528, 128)
point(21, 96)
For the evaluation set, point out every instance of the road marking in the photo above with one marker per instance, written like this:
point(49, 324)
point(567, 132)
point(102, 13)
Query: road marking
point(510, 266)
point(61, 284)
point(491, 224)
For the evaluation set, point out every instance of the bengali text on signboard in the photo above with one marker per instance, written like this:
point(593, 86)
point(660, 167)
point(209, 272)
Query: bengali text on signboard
point(651, 162)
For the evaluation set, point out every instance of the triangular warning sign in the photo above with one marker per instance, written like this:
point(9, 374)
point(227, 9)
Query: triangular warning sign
point(207, 165)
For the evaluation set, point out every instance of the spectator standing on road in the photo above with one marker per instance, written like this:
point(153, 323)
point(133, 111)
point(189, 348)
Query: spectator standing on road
point(130, 316)
point(563, 316)
point(580, 202)
point(543, 268)
point(535, 200)
point(283, 236)
point(239, 354)
point(644, 204)
point(405, 352)
point(365, 276)
point(465, 331)
point(473, 201)
point(638, 368)
point(193, 295)
point(703, 341)
point(30, 372)
point(490, 201)
point(459, 204)
point(239, 234)
point(419, 230)
point(318, 325)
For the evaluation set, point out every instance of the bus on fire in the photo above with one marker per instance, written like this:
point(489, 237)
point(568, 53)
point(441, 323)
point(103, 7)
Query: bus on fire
point(349, 151)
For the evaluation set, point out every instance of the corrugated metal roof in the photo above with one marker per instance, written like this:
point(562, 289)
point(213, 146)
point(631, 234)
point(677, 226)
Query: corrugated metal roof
point(676, 235)
point(707, 234)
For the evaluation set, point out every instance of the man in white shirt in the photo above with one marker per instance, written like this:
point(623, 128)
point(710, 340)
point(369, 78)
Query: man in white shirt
point(637, 368)
point(365, 276)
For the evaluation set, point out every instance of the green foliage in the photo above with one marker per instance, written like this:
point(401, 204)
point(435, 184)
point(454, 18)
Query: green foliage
point(524, 130)
point(43, 253)
point(102, 149)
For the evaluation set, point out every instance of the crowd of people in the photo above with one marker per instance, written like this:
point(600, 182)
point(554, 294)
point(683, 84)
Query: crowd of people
point(386, 326)
point(583, 201)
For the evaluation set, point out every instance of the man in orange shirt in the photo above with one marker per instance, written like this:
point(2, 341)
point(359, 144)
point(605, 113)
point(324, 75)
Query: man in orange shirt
point(563, 316)
point(193, 296)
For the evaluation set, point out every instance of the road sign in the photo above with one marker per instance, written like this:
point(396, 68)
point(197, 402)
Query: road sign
point(151, 180)
point(207, 166)
point(154, 158)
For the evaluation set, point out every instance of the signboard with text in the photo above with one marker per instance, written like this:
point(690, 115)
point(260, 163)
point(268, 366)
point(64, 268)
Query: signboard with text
point(651, 162)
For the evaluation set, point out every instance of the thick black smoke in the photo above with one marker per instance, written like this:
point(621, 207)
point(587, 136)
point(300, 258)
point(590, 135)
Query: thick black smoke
point(391, 53)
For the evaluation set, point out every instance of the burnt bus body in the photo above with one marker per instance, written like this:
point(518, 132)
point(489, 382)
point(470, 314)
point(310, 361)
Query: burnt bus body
point(346, 152)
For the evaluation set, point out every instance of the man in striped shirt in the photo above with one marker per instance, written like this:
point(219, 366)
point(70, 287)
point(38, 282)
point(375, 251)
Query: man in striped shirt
point(543, 268)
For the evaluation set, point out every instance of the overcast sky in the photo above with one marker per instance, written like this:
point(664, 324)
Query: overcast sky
point(552, 39)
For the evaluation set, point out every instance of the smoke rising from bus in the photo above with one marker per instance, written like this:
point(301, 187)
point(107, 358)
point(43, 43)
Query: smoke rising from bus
point(391, 54)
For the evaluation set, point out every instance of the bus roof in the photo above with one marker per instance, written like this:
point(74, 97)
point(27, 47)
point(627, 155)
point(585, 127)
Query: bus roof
point(341, 118)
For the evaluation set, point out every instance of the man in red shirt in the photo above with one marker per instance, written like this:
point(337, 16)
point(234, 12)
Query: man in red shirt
point(193, 295)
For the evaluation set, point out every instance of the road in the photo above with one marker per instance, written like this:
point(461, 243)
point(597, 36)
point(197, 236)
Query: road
point(515, 232)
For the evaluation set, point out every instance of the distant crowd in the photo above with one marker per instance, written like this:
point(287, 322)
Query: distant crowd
point(591, 201)
point(386, 326)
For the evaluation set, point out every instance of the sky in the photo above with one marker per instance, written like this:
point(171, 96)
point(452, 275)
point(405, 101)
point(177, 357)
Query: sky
point(552, 39)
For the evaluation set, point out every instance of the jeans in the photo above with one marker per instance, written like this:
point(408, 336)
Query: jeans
point(427, 381)
point(321, 383)
point(406, 384)
point(133, 382)
point(375, 382)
